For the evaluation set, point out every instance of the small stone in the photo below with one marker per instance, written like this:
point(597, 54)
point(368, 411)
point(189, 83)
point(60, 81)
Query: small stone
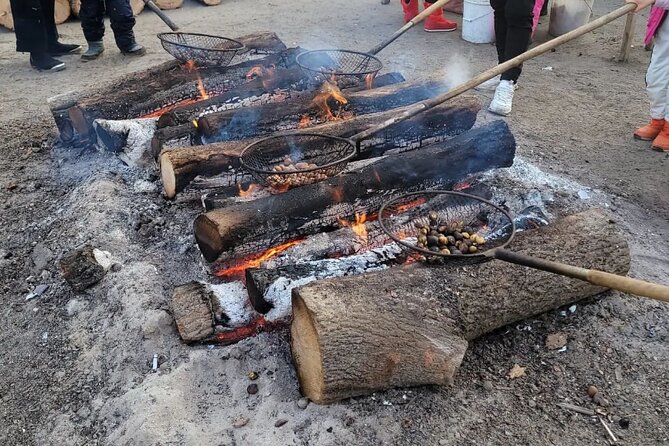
point(11, 185)
point(240, 422)
point(116, 267)
point(253, 376)
point(624, 423)
point(329, 429)
point(280, 422)
point(73, 307)
point(348, 422)
point(532, 403)
point(252, 389)
point(302, 403)
point(556, 341)
point(406, 423)
point(592, 391)
point(487, 385)
point(443, 442)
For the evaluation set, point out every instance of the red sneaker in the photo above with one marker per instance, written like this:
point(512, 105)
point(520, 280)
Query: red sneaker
point(437, 22)
point(410, 9)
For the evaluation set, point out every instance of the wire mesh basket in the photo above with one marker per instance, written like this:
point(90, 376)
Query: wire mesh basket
point(203, 49)
point(336, 64)
point(286, 161)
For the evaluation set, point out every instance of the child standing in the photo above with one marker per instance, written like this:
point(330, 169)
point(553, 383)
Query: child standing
point(657, 76)
point(92, 14)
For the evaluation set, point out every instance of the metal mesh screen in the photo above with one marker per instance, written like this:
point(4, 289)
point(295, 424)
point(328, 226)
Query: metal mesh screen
point(296, 160)
point(322, 64)
point(203, 49)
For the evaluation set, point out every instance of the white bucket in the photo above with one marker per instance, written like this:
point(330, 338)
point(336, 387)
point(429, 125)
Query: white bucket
point(567, 15)
point(478, 21)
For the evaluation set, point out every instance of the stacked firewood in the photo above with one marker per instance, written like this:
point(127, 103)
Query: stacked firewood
point(64, 9)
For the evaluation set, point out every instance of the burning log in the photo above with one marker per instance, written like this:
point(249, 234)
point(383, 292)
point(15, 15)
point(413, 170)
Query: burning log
point(201, 310)
point(133, 136)
point(180, 166)
point(187, 113)
point(431, 313)
point(310, 209)
point(254, 121)
point(74, 112)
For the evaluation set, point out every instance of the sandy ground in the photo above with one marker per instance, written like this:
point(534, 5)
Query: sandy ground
point(76, 368)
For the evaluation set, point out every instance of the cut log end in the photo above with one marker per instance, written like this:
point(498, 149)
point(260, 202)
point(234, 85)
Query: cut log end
point(62, 11)
point(168, 177)
point(208, 237)
point(306, 352)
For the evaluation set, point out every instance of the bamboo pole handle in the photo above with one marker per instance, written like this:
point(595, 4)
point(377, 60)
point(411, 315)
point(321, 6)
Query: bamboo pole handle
point(499, 69)
point(595, 277)
point(410, 24)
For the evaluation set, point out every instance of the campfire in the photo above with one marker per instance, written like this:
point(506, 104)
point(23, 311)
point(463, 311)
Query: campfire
point(271, 247)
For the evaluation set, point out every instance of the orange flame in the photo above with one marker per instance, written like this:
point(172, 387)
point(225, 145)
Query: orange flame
point(377, 176)
point(267, 75)
point(202, 94)
point(190, 65)
point(256, 260)
point(358, 226)
point(248, 192)
point(327, 91)
point(305, 121)
point(194, 122)
point(369, 81)
point(201, 89)
point(465, 184)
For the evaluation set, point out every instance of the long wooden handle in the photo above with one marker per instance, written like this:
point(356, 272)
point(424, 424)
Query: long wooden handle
point(153, 7)
point(410, 24)
point(499, 69)
point(595, 277)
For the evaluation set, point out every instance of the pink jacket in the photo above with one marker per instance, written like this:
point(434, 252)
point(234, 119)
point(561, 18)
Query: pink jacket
point(657, 13)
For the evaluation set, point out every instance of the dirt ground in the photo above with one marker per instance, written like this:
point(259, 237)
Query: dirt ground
point(76, 369)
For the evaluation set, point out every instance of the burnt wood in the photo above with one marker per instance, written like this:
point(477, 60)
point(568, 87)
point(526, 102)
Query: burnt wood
point(341, 327)
point(310, 209)
point(180, 166)
point(74, 112)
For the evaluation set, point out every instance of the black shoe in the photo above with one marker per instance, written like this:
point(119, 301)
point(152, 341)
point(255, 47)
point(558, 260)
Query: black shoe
point(44, 62)
point(63, 49)
point(134, 50)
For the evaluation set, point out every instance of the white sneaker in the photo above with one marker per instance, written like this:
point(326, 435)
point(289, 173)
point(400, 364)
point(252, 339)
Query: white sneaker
point(491, 84)
point(503, 100)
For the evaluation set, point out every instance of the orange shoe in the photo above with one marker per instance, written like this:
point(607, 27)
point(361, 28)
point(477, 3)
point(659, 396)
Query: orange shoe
point(661, 142)
point(650, 131)
point(437, 22)
point(410, 8)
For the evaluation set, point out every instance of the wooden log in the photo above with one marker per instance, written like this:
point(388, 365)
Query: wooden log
point(210, 2)
point(75, 6)
point(62, 11)
point(6, 19)
point(310, 209)
point(628, 35)
point(169, 4)
point(84, 267)
point(261, 120)
point(74, 112)
point(201, 309)
point(180, 166)
point(137, 6)
point(341, 327)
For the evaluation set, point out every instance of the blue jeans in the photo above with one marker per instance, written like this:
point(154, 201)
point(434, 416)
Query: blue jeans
point(92, 14)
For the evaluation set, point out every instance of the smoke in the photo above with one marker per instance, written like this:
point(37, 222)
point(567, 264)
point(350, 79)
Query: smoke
point(457, 71)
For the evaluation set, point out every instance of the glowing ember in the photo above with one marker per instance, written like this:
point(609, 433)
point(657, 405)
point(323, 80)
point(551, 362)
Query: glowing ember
point(250, 191)
point(256, 260)
point(462, 185)
point(328, 91)
point(305, 121)
point(202, 95)
point(369, 81)
point(358, 226)
point(337, 194)
point(267, 75)
point(190, 65)
point(194, 121)
point(377, 176)
point(410, 205)
point(201, 89)
point(258, 325)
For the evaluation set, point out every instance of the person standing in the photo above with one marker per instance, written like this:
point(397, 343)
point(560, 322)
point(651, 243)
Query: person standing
point(514, 21)
point(122, 20)
point(657, 76)
point(436, 22)
point(36, 33)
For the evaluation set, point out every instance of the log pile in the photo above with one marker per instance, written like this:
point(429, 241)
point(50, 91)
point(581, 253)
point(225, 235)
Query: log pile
point(62, 11)
point(341, 327)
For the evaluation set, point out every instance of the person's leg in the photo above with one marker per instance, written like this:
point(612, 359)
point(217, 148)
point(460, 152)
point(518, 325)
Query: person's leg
point(91, 15)
point(519, 19)
point(31, 28)
point(54, 47)
point(657, 87)
point(499, 7)
point(122, 22)
point(436, 22)
point(410, 8)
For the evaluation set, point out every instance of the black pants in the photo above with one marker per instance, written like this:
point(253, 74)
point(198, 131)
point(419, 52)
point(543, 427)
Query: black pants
point(92, 14)
point(34, 25)
point(513, 30)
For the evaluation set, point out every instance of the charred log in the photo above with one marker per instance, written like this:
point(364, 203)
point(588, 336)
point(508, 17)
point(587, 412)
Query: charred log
point(180, 166)
point(74, 112)
point(261, 120)
point(432, 312)
point(313, 208)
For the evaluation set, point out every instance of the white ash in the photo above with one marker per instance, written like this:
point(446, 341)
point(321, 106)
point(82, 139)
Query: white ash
point(234, 303)
point(103, 258)
point(279, 293)
point(137, 134)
